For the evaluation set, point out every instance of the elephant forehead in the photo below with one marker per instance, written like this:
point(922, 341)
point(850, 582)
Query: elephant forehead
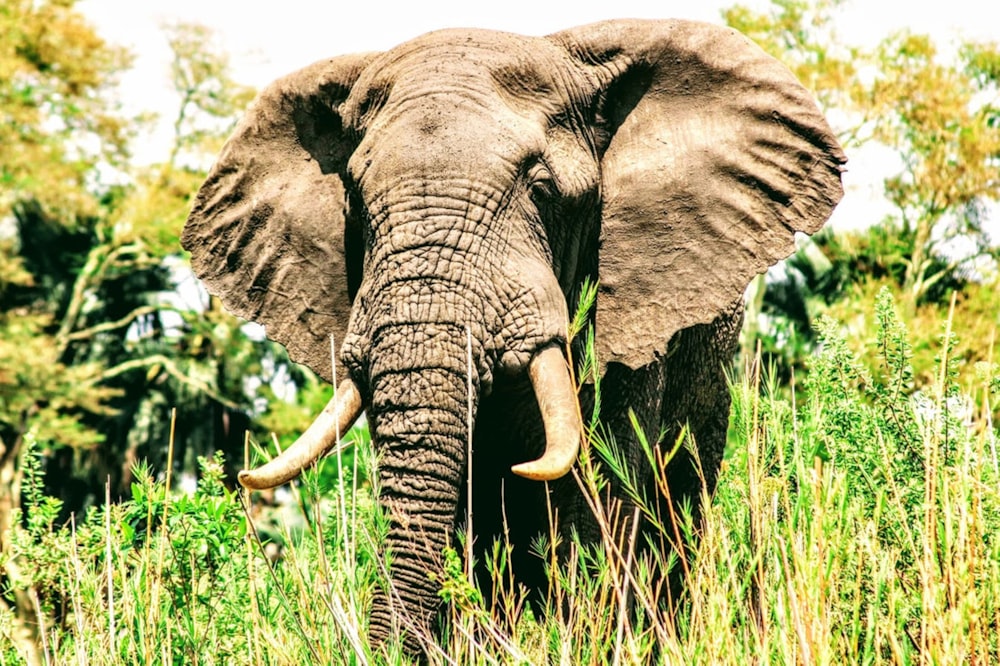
point(484, 48)
point(443, 137)
point(479, 60)
point(430, 152)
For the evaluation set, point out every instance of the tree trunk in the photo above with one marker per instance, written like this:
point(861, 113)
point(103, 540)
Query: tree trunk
point(25, 632)
point(913, 281)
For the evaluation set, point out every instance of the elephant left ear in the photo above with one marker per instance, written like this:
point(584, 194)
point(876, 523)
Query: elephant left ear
point(269, 229)
point(716, 157)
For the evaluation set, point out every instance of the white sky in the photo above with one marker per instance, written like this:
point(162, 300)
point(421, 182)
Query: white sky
point(267, 40)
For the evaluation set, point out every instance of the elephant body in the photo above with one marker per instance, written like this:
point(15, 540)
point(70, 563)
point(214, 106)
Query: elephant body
point(437, 208)
point(686, 388)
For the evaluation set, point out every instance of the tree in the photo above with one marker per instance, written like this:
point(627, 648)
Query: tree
point(59, 118)
point(57, 123)
point(941, 118)
point(96, 345)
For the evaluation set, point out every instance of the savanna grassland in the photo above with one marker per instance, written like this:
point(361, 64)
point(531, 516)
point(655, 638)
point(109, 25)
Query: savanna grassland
point(855, 522)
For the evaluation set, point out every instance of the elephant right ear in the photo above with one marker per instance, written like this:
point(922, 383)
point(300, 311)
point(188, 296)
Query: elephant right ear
point(715, 157)
point(267, 230)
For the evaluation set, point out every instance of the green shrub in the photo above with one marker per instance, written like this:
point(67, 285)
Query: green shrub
point(856, 520)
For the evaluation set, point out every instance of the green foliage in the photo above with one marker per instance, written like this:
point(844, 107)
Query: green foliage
point(60, 123)
point(456, 588)
point(177, 565)
point(60, 118)
point(44, 509)
point(102, 335)
point(35, 548)
point(911, 468)
point(198, 544)
point(840, 275)
point(938, 116)
point(585, 308)
point(35, 386)
point(96, 344)
point(854, 522)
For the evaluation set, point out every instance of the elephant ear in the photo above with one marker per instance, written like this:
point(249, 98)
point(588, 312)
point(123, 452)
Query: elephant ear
point(716, 157)
point(267, 230)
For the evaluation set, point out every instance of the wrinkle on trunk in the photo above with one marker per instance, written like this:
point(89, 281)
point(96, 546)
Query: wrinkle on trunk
point(418, 417)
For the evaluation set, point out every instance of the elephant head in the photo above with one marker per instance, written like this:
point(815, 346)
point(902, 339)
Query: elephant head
point(445, 200)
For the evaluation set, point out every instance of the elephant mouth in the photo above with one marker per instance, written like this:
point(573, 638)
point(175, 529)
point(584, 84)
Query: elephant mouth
point(557, 402)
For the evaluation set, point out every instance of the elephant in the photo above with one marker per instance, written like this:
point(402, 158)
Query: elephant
point(436, 209)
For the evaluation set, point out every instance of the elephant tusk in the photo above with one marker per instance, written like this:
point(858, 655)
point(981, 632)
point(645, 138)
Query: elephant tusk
point(557, 401)
point(321, 436)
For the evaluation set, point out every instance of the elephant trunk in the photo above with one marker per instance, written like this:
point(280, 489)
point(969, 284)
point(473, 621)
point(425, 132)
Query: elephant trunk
point(420, 420)
point(322, 435)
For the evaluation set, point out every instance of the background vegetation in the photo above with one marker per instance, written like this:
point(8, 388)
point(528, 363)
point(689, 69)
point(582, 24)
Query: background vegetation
point(856, 519)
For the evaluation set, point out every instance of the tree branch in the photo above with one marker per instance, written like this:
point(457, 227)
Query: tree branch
point(98, 261)
point(76, 300)
point(112, 325)
point(171, 369)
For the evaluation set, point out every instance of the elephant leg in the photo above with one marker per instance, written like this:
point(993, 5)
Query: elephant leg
point(519, 510)
point(688, 387)
point(696, 395)
point(624, 393)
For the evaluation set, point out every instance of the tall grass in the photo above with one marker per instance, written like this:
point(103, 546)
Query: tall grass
point(856, 520)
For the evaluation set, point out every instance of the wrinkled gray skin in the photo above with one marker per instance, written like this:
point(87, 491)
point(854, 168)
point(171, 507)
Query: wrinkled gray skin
point(473, 179)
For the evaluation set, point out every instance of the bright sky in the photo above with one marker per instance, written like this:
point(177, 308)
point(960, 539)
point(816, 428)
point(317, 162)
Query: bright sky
point(267, 40)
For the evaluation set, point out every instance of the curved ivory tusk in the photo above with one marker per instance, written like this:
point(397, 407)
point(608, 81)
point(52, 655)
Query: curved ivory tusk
point(560, 413)
point(333, 422)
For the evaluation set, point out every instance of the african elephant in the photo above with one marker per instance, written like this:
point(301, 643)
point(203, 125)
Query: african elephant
point(466, 183)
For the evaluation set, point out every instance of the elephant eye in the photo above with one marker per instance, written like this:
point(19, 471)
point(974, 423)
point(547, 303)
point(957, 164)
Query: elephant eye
point(369, 105)
point(541, 183)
